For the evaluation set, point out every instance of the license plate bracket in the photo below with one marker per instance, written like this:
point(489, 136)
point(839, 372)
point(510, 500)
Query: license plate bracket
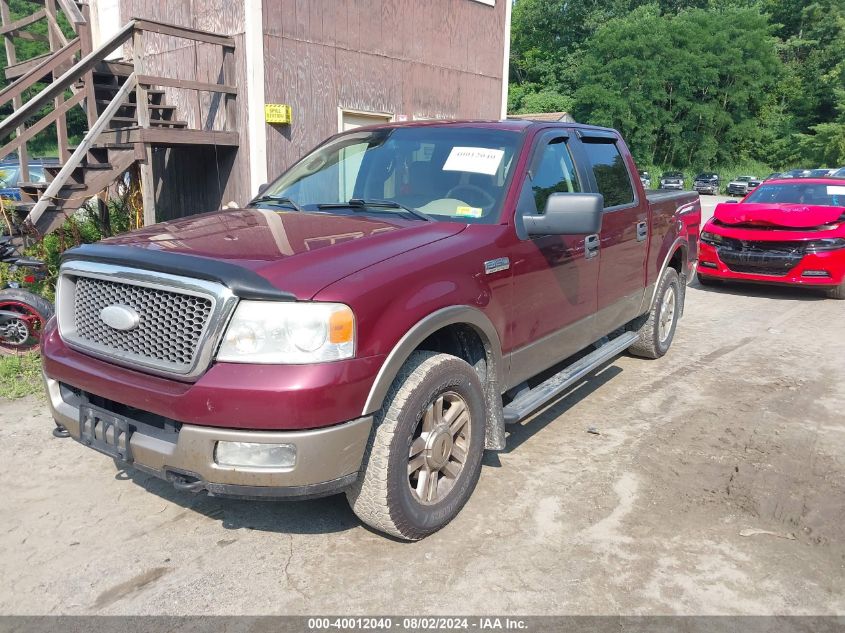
point(105, 432)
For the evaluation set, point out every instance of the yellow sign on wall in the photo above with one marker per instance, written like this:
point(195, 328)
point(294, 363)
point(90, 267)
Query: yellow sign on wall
point(277, 113)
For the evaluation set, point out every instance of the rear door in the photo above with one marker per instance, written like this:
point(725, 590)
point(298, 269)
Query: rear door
point(624, 231)
point(554, 284)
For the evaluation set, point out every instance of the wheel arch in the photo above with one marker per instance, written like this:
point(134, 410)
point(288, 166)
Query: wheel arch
point(444, 322)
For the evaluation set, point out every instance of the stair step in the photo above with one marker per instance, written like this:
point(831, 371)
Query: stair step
point(530, 400)
point(133, 122)
point(133, 105)
point(115, 88)
point(40, 186)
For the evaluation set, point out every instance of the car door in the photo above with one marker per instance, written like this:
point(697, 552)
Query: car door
point(554, 283)
point(624, 231)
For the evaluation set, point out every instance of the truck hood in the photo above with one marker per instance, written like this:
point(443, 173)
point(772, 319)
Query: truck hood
point(300, 253)
point(793, 216)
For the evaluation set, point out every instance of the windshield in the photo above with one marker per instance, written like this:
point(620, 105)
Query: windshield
point(743, 179)
point(705, 176)
point(800, 193)
point(673, 174)
point(448, 173)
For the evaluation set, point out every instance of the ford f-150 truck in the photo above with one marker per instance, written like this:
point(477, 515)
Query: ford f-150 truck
point(373, 320)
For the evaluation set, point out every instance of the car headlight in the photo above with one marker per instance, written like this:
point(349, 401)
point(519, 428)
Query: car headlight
point(288, 333)
point(711, 238)
point(826, 244)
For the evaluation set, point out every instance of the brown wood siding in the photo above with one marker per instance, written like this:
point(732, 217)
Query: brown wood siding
point(407, 58)
point(415, 58)
point(194, 188)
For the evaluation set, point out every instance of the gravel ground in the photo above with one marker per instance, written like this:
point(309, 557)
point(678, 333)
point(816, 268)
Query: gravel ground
point(716, 485)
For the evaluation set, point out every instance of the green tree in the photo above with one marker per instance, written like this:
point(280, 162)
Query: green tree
point(685, 89)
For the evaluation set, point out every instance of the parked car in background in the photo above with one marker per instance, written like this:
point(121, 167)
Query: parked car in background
point(347, 334)
point(743, 185)
point(797, 173)
point(707, 183)
point(788, 231)
point(10, 176)
point(773, 176)
point(672, 180)
point(645, 178)
point(821, 173)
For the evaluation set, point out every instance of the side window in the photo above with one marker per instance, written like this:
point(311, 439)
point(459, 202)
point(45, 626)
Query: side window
point(611, 175)
point(555, 173)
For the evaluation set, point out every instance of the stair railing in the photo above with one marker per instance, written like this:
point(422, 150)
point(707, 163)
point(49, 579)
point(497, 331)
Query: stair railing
point(137, 82)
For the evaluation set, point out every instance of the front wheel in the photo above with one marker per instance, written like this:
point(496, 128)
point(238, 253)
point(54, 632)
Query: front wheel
point(657, 332)
point(424, 455)
point(22, 319)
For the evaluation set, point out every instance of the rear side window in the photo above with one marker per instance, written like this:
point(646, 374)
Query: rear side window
point(555, 173)
point(610, 172)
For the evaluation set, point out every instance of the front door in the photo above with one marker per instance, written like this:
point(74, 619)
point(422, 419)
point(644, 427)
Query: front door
point(624, 233)
point(554, 285)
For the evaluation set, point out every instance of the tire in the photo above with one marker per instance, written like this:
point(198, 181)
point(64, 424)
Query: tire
point(383, 497)
point(655, 340)
point(37, 311)
point(706, 281)
point(838, 292)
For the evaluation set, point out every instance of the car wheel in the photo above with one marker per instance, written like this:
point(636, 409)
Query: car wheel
point(703, 280)
point(657, 332)
point(838, 292)
point(423, 458)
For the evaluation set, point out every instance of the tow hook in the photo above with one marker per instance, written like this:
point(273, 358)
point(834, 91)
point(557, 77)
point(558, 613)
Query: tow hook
point(186, 483)
point(60, 431)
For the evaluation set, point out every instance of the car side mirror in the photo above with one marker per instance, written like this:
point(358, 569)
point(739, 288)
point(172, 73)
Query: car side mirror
point(262, 189)
point(568, 214)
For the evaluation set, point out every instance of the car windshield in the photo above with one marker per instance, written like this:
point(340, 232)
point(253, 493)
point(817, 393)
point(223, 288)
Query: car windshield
point(448, 173)
point(705, 176)
point(832, 195)
point(744, 179)
point(672, 174)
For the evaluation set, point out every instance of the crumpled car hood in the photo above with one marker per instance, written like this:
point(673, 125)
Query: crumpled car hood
point(792, 216)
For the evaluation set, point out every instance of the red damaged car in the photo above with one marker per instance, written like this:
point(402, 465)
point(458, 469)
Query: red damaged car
point(789, 231)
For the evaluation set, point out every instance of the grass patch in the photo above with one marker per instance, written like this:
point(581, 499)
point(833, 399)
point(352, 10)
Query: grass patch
point(20, 375)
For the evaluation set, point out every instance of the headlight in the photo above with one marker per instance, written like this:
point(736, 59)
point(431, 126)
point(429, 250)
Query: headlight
point(711, 238)
point(288, 333)
point(827, 244)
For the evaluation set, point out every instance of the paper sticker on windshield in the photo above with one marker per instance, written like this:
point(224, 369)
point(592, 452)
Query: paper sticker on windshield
point(834, 190)
point(476, 160)
point(469, 212)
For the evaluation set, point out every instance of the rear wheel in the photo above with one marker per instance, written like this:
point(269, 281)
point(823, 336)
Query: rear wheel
point(424, 455)
point(22, 319)
point(657, 332)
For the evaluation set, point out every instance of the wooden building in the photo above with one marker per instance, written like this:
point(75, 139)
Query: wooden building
point(337, 64)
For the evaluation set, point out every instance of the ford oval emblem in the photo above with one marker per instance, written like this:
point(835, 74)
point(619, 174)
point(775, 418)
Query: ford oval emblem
point(120, 317)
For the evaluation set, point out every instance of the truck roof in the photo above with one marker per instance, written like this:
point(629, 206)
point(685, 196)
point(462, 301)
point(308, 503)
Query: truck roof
point(516, 125)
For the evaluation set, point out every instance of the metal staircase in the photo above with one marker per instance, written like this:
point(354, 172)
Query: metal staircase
point(127, 111)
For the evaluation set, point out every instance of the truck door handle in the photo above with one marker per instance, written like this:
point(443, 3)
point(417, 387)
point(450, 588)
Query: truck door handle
point(642, 231)
point(591, 246)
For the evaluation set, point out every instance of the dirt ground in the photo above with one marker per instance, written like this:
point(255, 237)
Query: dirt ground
point(716, 486)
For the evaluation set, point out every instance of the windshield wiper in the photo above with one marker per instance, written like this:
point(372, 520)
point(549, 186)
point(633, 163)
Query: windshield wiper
point(283, 200)
point(360, 203)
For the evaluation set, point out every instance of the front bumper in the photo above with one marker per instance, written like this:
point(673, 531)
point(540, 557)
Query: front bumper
point(711, 189)
point(672, 185)
point(832, 262)
point(327, 459)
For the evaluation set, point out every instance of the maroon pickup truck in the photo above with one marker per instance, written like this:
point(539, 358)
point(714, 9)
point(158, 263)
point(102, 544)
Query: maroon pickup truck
point(373, 320)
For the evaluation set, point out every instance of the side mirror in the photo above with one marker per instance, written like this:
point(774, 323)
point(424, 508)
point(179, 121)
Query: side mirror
point(262, 189)
point(568, 214)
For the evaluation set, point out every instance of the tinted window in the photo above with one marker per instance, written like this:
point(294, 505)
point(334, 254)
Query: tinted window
point(611, 174)
point(554, 173)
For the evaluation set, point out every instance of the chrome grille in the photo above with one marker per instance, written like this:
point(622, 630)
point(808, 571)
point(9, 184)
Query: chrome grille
point(174, 323)
point(170, 326)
